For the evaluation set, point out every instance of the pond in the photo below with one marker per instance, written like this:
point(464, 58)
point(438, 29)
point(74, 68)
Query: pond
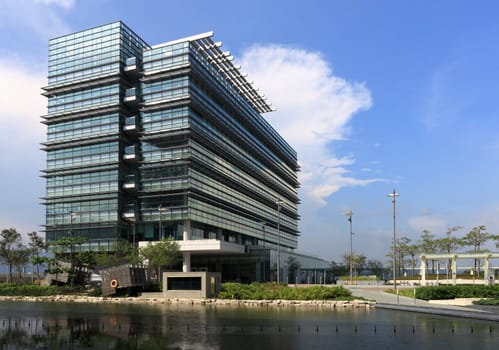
point(41, 325)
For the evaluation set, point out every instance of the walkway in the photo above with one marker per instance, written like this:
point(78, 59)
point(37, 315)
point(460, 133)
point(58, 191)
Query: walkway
point(393, 302)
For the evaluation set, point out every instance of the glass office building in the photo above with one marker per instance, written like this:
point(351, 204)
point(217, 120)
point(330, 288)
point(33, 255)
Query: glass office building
point(148, 142)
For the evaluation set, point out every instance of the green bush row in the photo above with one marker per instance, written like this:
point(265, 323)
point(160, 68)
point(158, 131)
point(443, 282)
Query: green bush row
point(273, 291)
point(11, 289)
point(459, 291)
point(491, 302)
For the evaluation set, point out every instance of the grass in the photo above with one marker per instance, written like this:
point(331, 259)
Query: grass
point(274, 291)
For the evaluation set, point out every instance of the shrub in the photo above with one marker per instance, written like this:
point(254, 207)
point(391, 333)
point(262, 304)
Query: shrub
point(273, 291)
point(459, 291)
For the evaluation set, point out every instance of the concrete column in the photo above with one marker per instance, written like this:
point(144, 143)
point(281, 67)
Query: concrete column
point(486, 270)
point(454, 270)
point(187, 230)
point(186, 264)
point(422, 271)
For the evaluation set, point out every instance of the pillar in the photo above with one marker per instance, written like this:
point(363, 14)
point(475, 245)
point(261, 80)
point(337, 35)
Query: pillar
point(186, 264)
point(454, 270)
point(486, 270)
point(187, 230)
point(422, 271)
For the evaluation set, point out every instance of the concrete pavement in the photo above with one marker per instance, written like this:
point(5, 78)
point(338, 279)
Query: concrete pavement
point(393, 302)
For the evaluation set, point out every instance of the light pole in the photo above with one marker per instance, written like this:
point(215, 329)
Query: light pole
point(394, 195)
point(279, 203)
point(349, 214)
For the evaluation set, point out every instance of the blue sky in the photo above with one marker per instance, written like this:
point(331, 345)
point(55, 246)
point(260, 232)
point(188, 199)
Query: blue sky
point(374, 95)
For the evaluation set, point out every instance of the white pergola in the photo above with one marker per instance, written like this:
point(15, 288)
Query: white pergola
point(453, 257)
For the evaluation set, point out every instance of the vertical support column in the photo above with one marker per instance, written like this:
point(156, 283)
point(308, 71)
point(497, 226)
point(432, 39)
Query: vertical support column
point(422, 271)
point(187, 230)
point(186, 264)
point(454, 270)
point(486, 266)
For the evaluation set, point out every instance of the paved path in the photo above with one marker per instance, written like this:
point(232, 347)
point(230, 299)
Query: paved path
point(394, 302)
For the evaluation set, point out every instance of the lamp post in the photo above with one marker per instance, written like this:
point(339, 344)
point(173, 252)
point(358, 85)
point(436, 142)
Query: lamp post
point(394, 195)
point(349, 214)
point(279, 203)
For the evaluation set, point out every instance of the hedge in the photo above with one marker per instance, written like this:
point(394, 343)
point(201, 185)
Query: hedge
point(12, 289)
point(458, 291)
point(273, 291)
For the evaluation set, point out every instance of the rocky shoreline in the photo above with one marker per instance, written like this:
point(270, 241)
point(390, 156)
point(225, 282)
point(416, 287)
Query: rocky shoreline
point(332, 304)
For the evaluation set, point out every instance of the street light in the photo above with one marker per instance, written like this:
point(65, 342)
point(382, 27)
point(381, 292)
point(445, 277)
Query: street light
point(394, 195)
point(349, 214)
point(279, 203)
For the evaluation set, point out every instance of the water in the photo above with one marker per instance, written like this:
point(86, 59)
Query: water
point(128, 326)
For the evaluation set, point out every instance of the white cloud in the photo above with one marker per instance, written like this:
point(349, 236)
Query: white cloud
point(435, 223)
point(66, 4)
point(313, 109)
point(36, 18)
point(23, 106)
point(21, 160)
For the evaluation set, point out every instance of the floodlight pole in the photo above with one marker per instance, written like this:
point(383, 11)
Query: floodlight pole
point(349, 214)
point(394, 195)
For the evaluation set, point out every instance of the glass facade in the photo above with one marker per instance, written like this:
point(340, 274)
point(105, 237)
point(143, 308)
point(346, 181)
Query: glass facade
point(161, 140)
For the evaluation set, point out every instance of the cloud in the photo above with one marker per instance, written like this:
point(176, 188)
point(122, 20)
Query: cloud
point(435, 223)
point(38, 18)
point(313, 109)
point(21, 158)
point(66, 4)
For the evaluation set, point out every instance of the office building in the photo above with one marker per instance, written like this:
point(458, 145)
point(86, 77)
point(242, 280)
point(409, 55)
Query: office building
point(149, 142)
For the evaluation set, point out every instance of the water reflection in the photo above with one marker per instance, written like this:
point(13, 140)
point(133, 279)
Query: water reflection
point(119, 326)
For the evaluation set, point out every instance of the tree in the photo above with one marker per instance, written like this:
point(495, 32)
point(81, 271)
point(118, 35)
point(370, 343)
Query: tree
point(20, 257)
point(36, 246)
point(450, 244)
point(412, 250)
point(476, 238)
point(64, 247)
point(358, 262)
point(375, 267)
point(122, 252)
point(10, 240)
point(162, 255)
point(428, 245)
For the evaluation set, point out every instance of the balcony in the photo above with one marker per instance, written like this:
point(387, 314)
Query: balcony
point(132, 68)
point(131, 98)
point(130, 184)
point(131, 125)
point(131, 154)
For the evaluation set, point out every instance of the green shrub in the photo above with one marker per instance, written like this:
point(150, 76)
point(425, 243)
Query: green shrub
point(273, 291)
point(458, 291)
point(11, 289)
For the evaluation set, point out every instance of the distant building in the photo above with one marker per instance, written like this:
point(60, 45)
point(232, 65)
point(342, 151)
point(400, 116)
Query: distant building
point(148, 142)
